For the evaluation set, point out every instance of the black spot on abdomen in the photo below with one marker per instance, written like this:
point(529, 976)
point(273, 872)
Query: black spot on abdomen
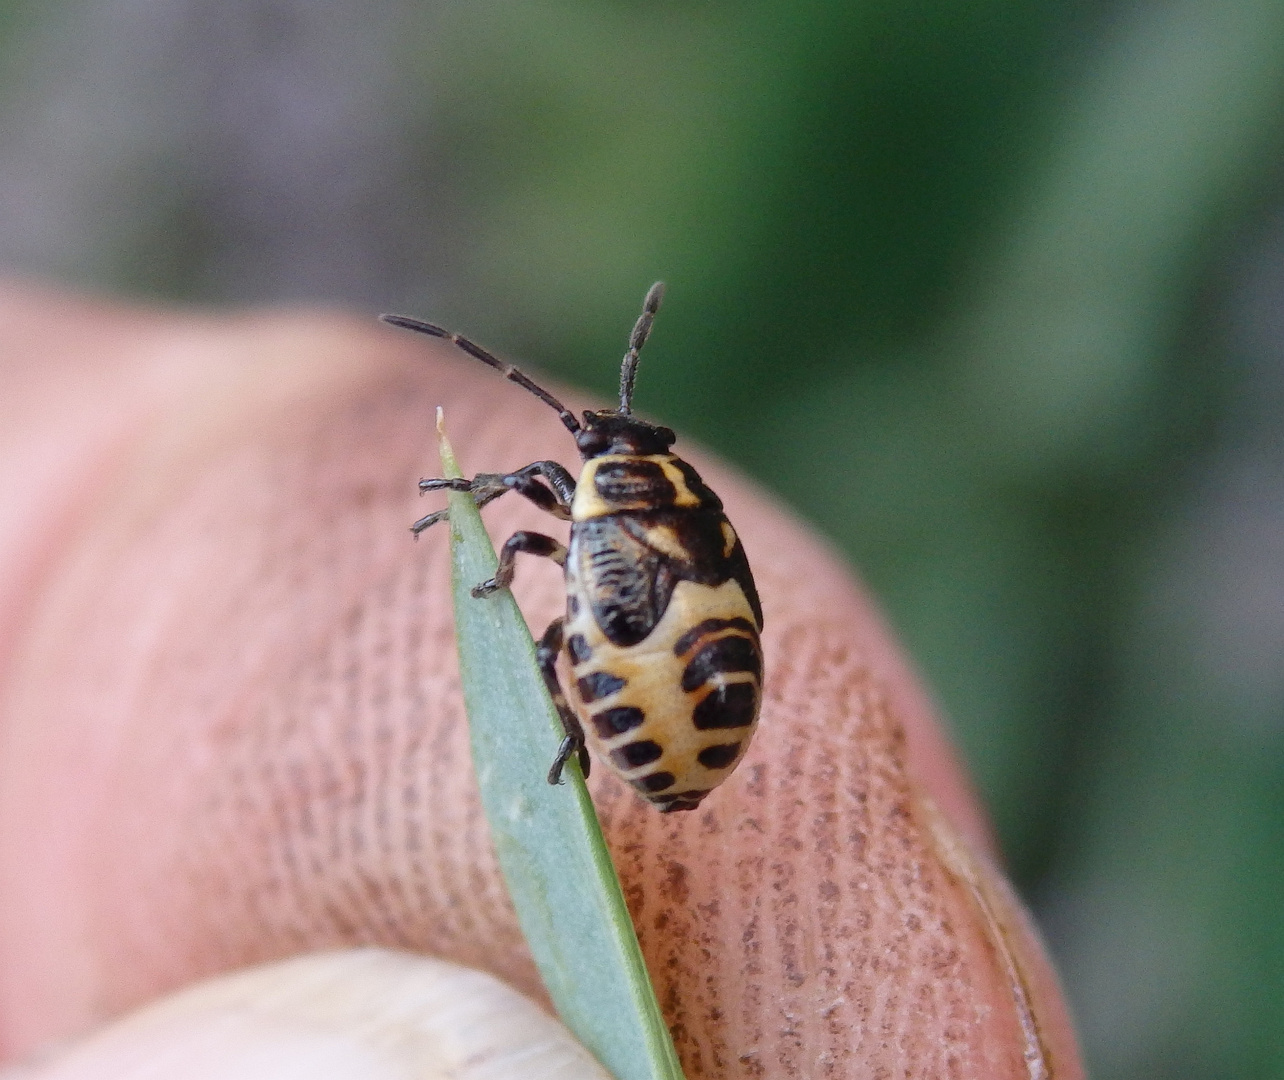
point(612, 722)
point(678, 800)
point(600, 684)
point(719, 756)
point(727, 707)
point(638, 753)
point(709, 626)
point(722, 656)
point(578, 648)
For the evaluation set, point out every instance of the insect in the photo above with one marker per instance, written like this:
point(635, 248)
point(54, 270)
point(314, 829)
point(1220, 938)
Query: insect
point(662, 623)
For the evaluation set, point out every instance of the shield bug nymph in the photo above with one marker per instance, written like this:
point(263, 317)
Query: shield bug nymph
point(662, 623)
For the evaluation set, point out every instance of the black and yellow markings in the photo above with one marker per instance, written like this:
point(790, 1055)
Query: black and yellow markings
point(618, 483)
point(682, 703)
point(617, 721)
point(576, 647)
point(598, 685)
point(729, 539)
point(661, 632)
point(726, 666)
point(665, 540)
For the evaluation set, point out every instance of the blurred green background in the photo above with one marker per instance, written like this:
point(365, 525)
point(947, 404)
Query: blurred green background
point(991, 292)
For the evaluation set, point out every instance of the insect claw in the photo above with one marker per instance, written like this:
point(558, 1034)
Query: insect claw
point(570, 745)
point(428, 521)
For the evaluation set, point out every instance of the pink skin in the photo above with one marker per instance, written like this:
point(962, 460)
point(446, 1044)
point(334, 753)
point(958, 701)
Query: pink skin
point(230, 726)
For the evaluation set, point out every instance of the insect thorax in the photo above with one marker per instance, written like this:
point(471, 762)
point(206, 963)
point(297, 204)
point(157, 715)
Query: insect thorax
point(624, 483)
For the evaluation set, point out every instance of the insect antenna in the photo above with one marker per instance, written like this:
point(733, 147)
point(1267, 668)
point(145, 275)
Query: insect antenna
point(511, 373)
point(641, 331)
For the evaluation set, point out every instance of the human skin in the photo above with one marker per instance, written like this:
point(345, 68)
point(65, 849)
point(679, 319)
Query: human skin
point(231, 728)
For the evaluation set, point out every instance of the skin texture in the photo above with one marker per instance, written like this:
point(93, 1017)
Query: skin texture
point(231, 729)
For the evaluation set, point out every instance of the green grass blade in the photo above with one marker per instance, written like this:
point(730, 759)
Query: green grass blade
point(550, 846)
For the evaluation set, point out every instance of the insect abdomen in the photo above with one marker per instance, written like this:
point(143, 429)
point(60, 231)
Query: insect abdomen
point(673, 713)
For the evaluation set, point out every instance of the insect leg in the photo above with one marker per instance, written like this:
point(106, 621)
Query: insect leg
point(557, 476)
point(573, 744)
point(487, 487)
point(532, 543)
point(556, 498)
point(428, 521)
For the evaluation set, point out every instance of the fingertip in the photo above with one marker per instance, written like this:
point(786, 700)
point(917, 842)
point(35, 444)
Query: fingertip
point(365, 1014)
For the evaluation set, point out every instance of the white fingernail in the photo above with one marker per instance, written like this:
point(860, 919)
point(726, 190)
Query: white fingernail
point(365, 1014)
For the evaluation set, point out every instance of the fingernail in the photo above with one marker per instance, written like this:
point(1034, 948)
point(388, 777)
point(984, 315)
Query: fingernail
point(1033, 995)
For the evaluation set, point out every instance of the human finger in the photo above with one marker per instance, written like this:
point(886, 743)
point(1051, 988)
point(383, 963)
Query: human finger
point(232, 729)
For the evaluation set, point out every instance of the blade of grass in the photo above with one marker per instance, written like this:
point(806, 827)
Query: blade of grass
point(550, 846)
